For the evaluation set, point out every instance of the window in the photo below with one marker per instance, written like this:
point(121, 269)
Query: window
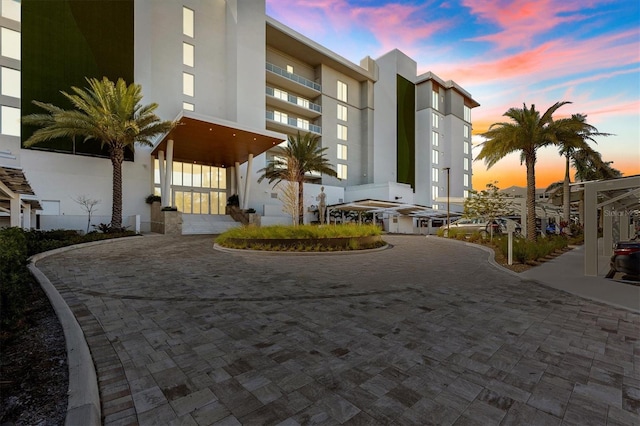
point(342, 91)
point(342, 112)
point(435, 138)
point(302, 123)
point(434, 156)
point(188, 107)
point(435, 173)
point(10, 81)
point(465, 179)
point(188, 54)
point(302, 102)
point(435, 192)
point(10, 43)
point(188, 84)
point(11, 9)
point(290, 69)
point(280, 94)
point(435, 98)
point(342, 171)
point(467, 114)
point(187, 22)
point(466, 147)
point(342, 132)
point(466, 131)
point(280, 117)
point(465, 163)
point(342, 152)
point(465, 193)
point(10, 121)
point(435, 120)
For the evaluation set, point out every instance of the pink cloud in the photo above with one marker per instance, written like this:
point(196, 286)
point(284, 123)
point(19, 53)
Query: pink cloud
point(521, 21)
point(392, 25)
point(556, 59)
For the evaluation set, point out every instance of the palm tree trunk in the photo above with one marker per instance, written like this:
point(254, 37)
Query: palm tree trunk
point(117, 156)
point(530, 162)
point(301, 201)
point(566, 193)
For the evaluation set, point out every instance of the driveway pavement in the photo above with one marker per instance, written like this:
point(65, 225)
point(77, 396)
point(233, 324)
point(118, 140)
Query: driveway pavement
point(425, 332)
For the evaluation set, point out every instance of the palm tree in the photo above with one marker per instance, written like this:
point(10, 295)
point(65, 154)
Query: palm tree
point(308, 157)
point(526, 132)
point(108, 113)
point(590, 166)
point(575, 132)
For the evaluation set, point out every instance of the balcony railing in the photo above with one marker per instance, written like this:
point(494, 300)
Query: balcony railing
point(293, 122)
point(292, 99)
point(293, 77)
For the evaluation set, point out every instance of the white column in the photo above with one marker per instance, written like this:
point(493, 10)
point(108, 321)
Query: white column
point(238, 184)
point(168, 174)
point(607, 231)
point(162, 166)
point(26, 216)
point(624, 226)
point(14, 207)
point(590, 231)
point(247, 182)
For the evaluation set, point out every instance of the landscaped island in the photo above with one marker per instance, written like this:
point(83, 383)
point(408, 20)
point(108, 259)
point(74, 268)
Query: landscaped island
point(304, 238)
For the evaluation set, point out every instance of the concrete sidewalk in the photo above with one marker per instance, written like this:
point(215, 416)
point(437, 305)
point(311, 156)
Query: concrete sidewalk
point(566, 272)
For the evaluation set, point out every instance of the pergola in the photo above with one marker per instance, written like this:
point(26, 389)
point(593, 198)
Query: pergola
point(616, 199)
point(16, 197)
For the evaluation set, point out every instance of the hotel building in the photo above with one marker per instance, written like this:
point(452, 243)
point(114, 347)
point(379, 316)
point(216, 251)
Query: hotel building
point(238, 83)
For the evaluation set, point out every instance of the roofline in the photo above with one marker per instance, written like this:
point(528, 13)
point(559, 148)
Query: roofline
point(449, 84)
point(356, 71)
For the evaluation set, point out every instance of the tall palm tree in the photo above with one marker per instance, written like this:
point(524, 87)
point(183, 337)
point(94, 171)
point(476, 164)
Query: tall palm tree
point(574, 135)
point(107, 113)
point(590, 166)
point(308, 156)
point(525, 133)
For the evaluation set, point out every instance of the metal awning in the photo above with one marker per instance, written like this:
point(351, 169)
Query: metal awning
point(389, 207)
point(12, 182)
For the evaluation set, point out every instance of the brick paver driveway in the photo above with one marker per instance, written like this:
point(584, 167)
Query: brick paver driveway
point(424, 332)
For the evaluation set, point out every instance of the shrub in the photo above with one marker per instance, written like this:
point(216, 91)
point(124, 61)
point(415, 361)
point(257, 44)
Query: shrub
point(152, 198)
point(15, 281)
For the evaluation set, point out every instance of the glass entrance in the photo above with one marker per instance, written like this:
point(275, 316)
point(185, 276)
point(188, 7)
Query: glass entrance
point(196, 188)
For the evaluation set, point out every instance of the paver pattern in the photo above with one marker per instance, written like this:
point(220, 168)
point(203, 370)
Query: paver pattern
point(426, 332)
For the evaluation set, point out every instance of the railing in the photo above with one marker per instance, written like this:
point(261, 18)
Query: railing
point(292, 99)
point(291, 121)
point(293, 77)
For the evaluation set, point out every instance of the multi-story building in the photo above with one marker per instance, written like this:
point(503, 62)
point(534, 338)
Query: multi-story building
point(239, 83)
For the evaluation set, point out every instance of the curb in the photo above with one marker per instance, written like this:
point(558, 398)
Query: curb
point(84, 398)
point(83, 407)
point(218, 247)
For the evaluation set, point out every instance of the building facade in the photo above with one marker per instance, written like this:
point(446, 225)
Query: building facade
point(238, 83)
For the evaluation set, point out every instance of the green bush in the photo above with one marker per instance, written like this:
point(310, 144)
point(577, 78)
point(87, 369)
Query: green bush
point(16, 283)
point(15, 280)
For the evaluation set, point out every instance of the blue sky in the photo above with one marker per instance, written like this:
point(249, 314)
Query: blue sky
point(506, 54)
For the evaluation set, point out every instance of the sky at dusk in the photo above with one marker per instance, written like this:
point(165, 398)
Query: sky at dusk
point(505, 53)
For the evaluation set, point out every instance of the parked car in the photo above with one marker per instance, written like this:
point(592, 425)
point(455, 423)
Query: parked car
point(625, 259)
point(471, 225)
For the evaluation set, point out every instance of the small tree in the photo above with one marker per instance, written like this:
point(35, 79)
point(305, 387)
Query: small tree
point(289, 191)
point(489, 203)
point(88, 205)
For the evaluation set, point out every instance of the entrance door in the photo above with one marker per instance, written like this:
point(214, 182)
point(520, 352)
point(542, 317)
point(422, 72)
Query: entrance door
point(199, 201)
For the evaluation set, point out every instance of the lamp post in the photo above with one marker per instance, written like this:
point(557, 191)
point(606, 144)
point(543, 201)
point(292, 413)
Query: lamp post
point(448, 169)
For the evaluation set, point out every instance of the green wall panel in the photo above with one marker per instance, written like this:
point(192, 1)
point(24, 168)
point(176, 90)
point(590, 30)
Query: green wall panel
point(65, 41)
point(406, 137)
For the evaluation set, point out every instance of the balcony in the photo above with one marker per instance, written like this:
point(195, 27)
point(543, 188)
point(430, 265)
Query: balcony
point(291, 103)
point(292, 82)
point(290, 124)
